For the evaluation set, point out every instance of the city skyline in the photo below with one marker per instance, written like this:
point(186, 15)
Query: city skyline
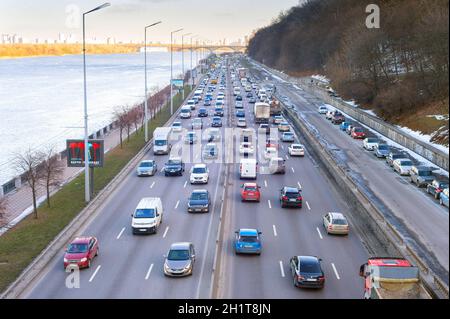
point(124, 20)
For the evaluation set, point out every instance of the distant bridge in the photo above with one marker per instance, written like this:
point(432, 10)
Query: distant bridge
point(195, 47)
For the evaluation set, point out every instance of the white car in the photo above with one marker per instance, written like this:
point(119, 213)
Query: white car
point(241, 122)
point(296, 150)
point(402, 166)
point(270, 152)
point(322, 109)
point(246, 147)
point(329, 114)
point(185, 112)
point(191, 104)
point(369, 143)
point(177, 127)
point(199, 174)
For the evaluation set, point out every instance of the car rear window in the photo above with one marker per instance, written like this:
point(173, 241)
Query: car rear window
point(248, 239)
point(292, 194)
point(251, 188)
point(309, 267)
point(339, 221)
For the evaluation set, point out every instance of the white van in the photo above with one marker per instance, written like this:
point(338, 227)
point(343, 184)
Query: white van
point(198, 94)
point(185, 112)
point(248, 168)
point(161, 140)
point(147, 216)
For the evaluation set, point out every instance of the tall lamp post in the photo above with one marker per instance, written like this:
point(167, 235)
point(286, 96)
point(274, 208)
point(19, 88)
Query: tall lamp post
point(182, 56)
point(146, 90)
point(192, 70)
point(87, 193)
point(171, 68)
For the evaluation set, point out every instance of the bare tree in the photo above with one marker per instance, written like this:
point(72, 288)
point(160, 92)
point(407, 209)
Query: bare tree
point(27, 164)
point(119, 116)
point(3, 202)
point(52, 171)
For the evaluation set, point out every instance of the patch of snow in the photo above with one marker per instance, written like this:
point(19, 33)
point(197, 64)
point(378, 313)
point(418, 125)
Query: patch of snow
point(321, 78)
point(371, 112)
point(423, 137)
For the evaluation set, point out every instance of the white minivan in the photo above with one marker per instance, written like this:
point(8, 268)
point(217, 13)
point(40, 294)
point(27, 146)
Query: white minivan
point(248, 168)
point(147, 216)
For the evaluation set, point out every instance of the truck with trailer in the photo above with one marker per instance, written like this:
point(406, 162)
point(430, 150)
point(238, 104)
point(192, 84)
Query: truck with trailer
point(391, 278)
point(262, 112)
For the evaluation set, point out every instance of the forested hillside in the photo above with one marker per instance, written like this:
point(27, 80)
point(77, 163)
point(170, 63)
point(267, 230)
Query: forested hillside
point(400, 70)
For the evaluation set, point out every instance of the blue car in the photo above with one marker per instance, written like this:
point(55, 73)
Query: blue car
point(344, 126)
point(207, 103)
point(240, 113)
point(247, 241)
point(216, 122)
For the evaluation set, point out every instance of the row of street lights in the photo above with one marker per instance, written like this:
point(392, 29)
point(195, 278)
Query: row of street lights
point(86, 134)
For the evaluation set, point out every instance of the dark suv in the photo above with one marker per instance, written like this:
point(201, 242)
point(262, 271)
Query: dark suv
point(307, 272)
point(173, 167)
point(291, 197)
point(199, 201)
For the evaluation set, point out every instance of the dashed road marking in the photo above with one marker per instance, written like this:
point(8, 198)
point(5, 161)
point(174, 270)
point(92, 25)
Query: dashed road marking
point(274, 230)
point(318, 230)
point(120, 234)
point(95, 273)
point(178, 203)
point(293, 171)
point(299, 185)
point(165, 232)
point(149, 272)
point(185, 183)
point(281, 268)
point(335, 271)
point(287, 156)
point(265, 183)
point(153, 184)
point(270, 204)
point(307, 205)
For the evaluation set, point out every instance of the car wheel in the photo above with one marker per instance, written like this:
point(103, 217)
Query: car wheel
point(294, 281)
point(96, 253)
point(436, 196)
point(440, 201)
point(89, 263)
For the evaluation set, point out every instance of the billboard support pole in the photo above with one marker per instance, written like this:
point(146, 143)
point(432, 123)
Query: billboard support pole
point(91, 182)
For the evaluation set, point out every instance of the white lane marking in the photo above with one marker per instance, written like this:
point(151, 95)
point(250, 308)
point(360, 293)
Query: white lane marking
point(178, 203)
point(185, 183)
point(149, 271)
point(299, 185)
point(120, 234)
point(281, 268)
point(274, 230)
point(307, 204)
point(318, 230)
point(95, 273)
point(265, 183)
point(162, 169)
point(153, 184)
point(335, 271)
point(282, 147)
point(270, 204)
point(287, 156)
point(165, 232)
point(292, 170)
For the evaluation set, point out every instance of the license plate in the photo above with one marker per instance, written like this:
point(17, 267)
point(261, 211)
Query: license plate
point(142, 229)
point(311, 279)
point(292, 200)
point(251, 194)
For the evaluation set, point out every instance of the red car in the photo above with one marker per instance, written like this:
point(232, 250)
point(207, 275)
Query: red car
point(250, 191)
point(358, 132)
point(81, 251)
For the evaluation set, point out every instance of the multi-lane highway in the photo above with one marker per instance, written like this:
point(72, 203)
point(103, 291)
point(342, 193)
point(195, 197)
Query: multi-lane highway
point(131, 266)
point(427, 222)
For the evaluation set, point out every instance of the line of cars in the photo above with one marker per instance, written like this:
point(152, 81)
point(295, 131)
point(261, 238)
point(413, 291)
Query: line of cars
point(400, 162)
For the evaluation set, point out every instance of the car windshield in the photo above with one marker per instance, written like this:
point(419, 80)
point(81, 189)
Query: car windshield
point(174, 162)
point(144, 213)
point(406, 163)
point(310, 267)
point(178, 255)
point(339, 221)
point(359, 130)
point(199, 170)
point(77, 248)
point(383, 147)
point(184, 111)
point(199, 196)
point(425, 173)
point(146, 164)
point(248, 239)
point(288, 134)
point(160, 142)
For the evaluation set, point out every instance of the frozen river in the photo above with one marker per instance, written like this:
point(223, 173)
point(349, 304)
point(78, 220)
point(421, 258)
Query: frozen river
point(42, 97)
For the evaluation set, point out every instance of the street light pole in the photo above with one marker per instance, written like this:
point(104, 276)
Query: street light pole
point(87, 193)
point(146, 90)
point(171, 69)
point(182, 57)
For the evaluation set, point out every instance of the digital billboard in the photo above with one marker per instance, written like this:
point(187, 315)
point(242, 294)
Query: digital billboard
point(75, 153)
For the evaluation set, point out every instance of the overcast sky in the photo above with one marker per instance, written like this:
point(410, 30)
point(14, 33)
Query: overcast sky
point(211, 19)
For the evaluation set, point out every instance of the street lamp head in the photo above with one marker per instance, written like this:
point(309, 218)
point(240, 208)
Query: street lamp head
point(106, 4)
point(153, 24)
point(176, 31)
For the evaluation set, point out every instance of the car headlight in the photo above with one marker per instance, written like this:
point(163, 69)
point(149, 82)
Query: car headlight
point(83, 259)
point(166, 267)
point(65, 260)
point(187, 267)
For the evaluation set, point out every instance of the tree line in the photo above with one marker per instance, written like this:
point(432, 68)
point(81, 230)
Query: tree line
point(396, 68)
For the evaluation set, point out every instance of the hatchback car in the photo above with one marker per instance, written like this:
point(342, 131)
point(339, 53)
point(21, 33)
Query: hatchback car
point(247, 241)
point(147, 168)
point(199, 201)
point(80, 252)
point(216, 121)
point(335, 223)
point(250, 192)
point(241, 122)
point(238, 105)
point(288, 137)
point(436, 187)
point(284, 127)
point(291, 197)
point(307, 272)
point(343, 126)
point(180, 260)
point(358, 132)
point(207, 102)
point(337, 118)
point(199, 174)
point(177, 127)
point(249, 94)
point(218, 111)
point(296, 150)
